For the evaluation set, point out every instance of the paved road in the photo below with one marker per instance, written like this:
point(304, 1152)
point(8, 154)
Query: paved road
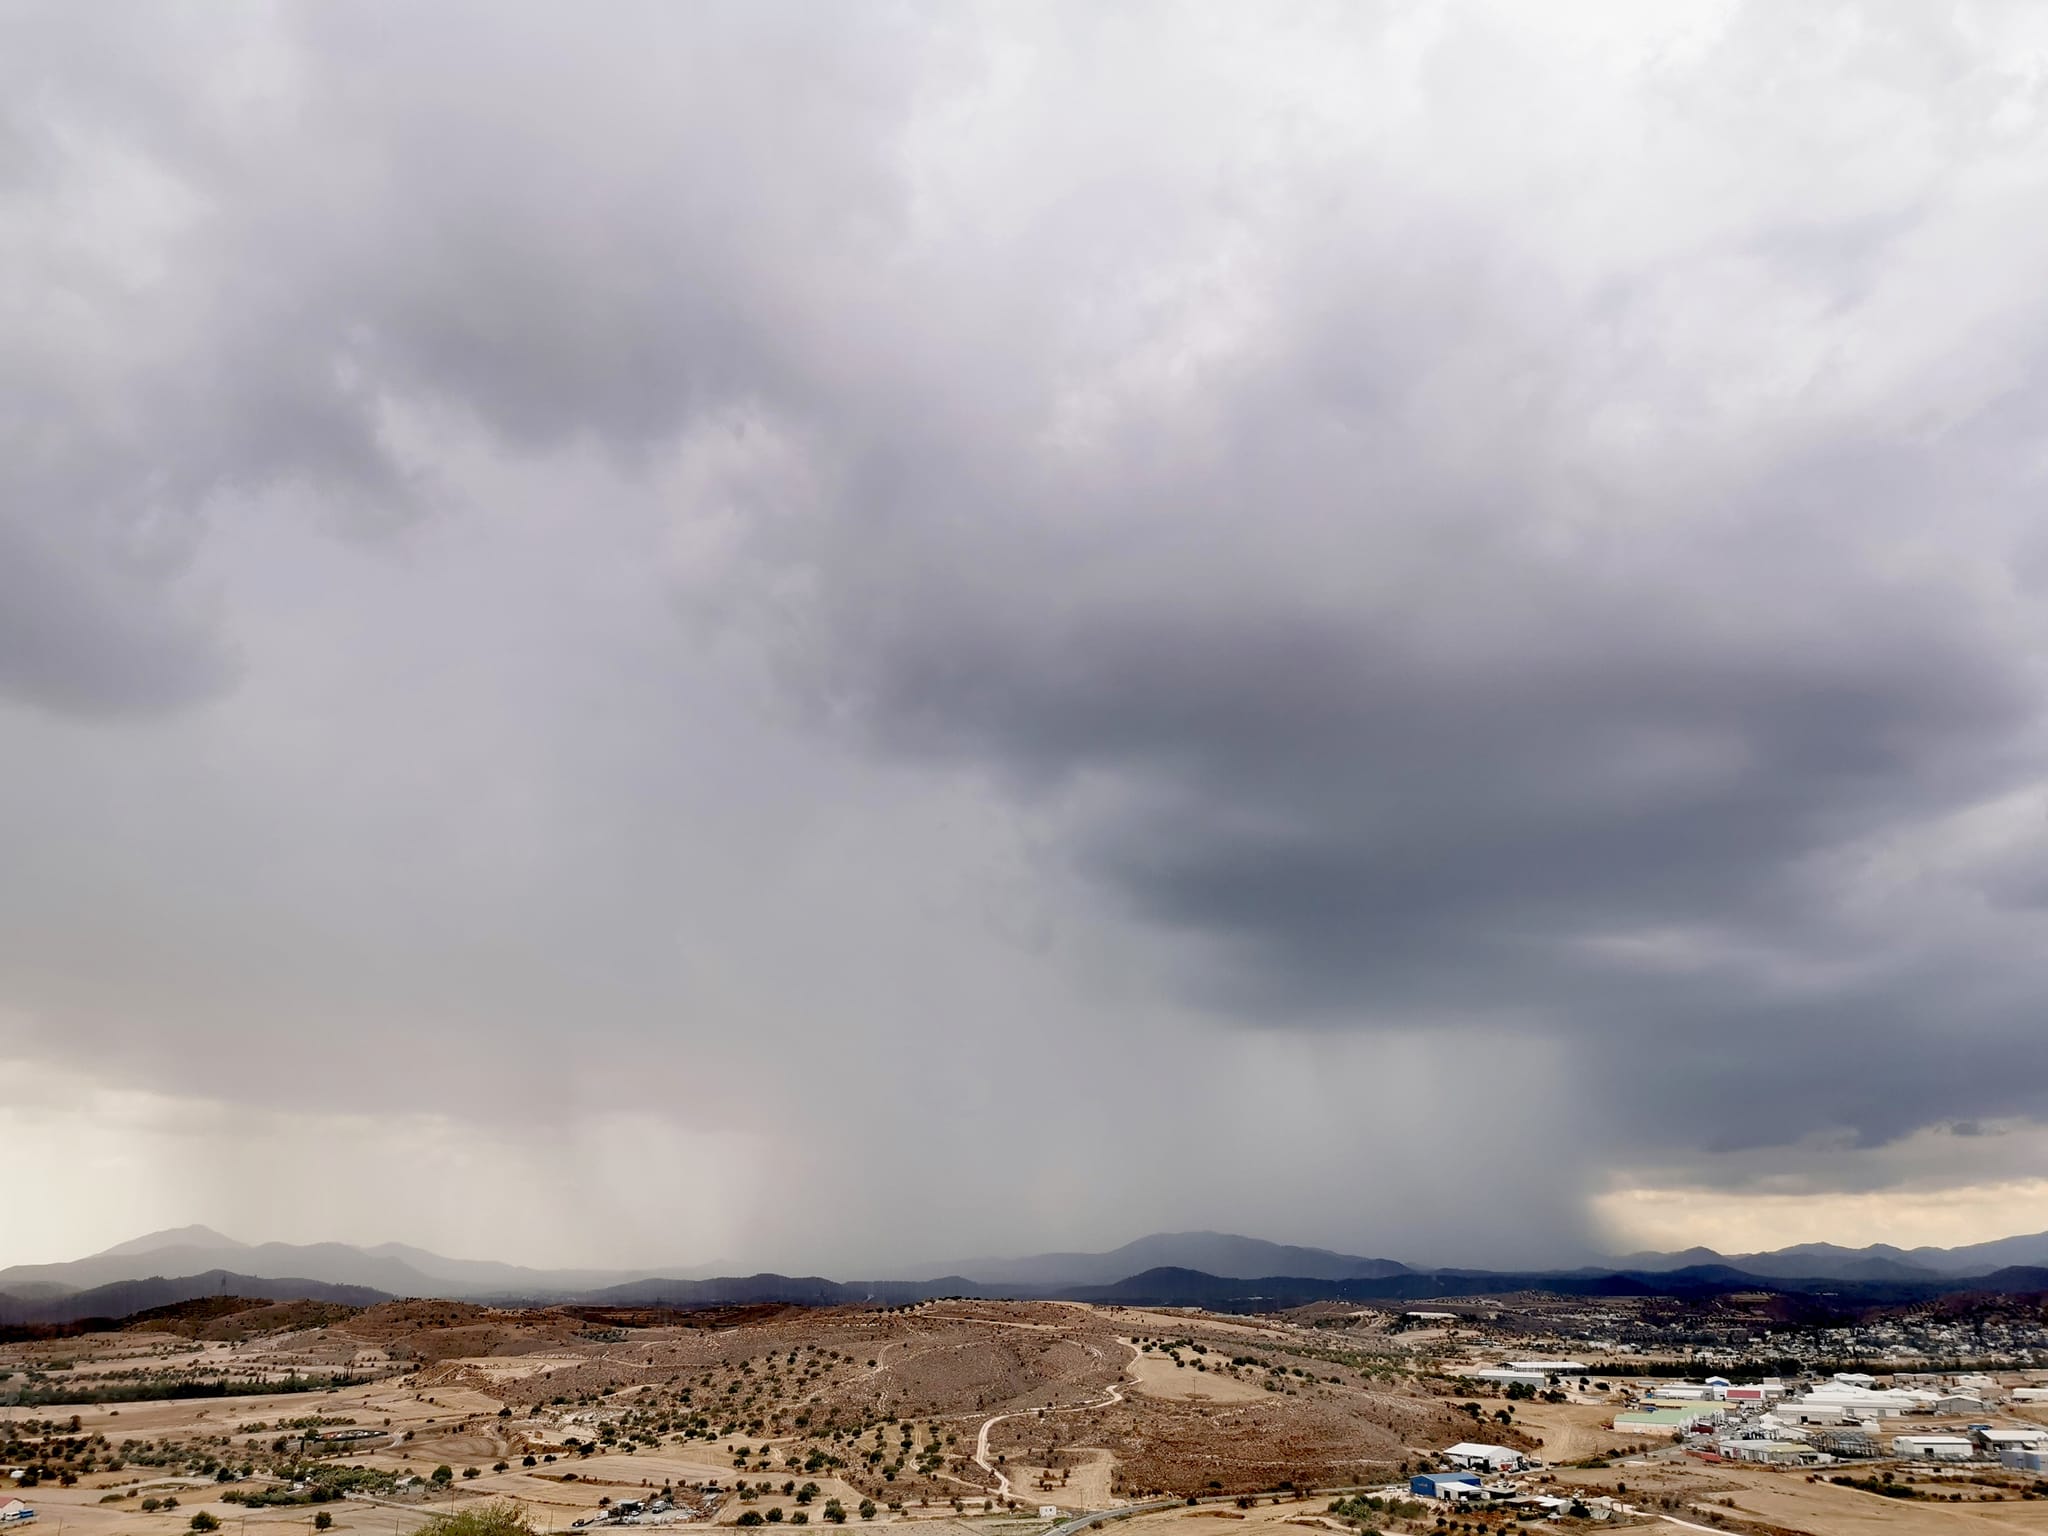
point(1122, 1512)
point(1082, 1522)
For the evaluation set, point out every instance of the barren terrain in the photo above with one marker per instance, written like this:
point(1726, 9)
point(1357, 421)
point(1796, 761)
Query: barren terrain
point(935, 1412)
point(961, 1416)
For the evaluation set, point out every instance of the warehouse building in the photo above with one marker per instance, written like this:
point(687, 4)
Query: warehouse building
point(1433, 1485)
point(1483, 1458)
point(1508, 1375)
point(1768, 1452)
point(1844, 1396)
point(1768, 1390)
point(1995, 1440)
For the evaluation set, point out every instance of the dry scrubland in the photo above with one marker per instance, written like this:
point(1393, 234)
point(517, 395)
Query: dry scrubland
point(928, 1413)
point(961, 1416)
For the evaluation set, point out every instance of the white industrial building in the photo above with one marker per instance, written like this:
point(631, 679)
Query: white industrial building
point(1823, 1415)
point(1933, 1447)
point(1507, 1375)
point(1767, 1449)
point(1844, 1396)
point(1552, 1367)
point(2028, 1439)
point(1483, 1458)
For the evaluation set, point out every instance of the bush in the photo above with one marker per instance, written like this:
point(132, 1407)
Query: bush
point(151, 1505)
point(205, 1522)
point(749, 1517)
point(323, 1521)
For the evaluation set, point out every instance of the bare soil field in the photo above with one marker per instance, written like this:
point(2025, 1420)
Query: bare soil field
point(1162, 1378)
point(1769, 1500)
point(1573, 1431)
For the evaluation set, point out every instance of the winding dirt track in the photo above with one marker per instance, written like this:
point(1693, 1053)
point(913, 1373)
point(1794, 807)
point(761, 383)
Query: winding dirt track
point(1116, 1395)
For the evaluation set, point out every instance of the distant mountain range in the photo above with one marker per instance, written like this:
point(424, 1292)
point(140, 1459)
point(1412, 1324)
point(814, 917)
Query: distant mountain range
point(1178, 1268)
point(124, 1298)
point(399, 1270)
point(1213, 1253)
point(1878, 1261)
point(392, 1268)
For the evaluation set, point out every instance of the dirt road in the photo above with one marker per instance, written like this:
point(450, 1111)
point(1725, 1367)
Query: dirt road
point(1116, 1395)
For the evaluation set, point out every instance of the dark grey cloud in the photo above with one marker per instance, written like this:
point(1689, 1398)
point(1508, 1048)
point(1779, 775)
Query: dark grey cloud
point(1306, 543)
point(241, 245)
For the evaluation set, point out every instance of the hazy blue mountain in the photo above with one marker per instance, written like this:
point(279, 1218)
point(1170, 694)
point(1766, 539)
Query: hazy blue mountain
point(332, 1263)
point(173, 1237)
point(1877, 1261)
point(1220, 1254)
point(122, 1298)
point(2029, 1251)
point(395, 1269)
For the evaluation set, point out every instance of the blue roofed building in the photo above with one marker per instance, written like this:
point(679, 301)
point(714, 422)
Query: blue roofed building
point(1435, 1485)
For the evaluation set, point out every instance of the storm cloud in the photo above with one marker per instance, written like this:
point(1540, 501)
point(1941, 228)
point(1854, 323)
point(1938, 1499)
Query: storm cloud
point(1079, 570)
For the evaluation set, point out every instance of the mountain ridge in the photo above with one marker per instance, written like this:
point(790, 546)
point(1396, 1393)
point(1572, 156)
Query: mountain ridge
point(1224, 1254)
point(398, 1269)
point(1831, 1260)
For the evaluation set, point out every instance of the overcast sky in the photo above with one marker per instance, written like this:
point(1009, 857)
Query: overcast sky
point(832, 636)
